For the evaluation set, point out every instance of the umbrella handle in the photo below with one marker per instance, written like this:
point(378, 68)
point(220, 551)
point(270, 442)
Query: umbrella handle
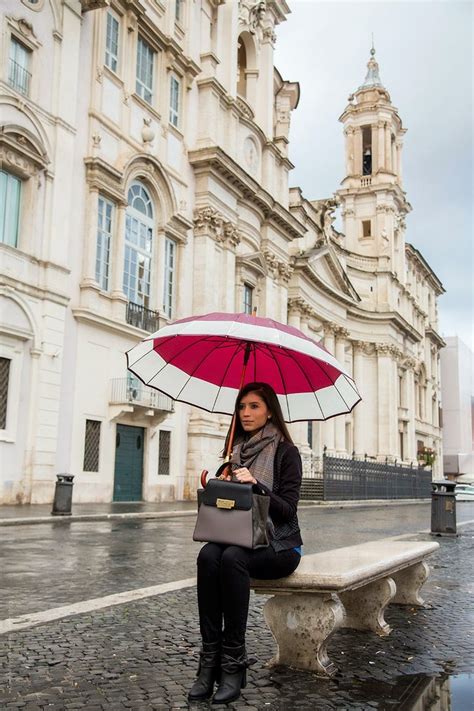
point(219, 473)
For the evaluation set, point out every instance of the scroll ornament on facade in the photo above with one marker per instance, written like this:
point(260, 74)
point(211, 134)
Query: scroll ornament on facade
point(208, 221)
point(276, 267)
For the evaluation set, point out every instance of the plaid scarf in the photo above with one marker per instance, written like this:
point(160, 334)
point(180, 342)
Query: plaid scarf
point(258, 453)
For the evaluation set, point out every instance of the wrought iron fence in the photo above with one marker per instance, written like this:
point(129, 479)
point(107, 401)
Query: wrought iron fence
point(143, 318)
point(345, 479)
point(125, 390)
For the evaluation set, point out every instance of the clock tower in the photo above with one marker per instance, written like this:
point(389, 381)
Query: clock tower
point(373, 202)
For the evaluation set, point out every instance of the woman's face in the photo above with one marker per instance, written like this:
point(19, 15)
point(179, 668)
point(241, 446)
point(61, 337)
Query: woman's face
point(253, 413)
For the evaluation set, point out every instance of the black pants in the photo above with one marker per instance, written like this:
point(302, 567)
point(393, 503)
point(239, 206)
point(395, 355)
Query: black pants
point(224, 574)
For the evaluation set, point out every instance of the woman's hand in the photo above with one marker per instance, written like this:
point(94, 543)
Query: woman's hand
point(244, 476)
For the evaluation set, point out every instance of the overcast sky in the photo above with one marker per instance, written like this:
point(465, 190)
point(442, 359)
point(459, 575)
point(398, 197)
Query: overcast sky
point(424, 51)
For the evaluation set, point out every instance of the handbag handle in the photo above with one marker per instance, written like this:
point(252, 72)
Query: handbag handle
point(220, 471)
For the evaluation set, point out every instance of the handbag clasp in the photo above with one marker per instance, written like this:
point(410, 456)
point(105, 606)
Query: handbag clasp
point(225, 503)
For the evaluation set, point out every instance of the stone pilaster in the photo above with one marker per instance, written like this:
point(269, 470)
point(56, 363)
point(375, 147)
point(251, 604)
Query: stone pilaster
point(328, 427)
point(387, 400)
point(359, 412)
point(340, 422)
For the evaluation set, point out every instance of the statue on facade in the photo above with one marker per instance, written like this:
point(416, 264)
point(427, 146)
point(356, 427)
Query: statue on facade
point(252, 14)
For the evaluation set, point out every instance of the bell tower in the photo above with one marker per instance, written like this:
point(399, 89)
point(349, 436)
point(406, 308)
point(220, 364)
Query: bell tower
point(372, 198)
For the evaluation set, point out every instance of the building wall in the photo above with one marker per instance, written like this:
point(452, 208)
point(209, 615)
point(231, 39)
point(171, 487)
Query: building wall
point(218, 183)
point(457, 393)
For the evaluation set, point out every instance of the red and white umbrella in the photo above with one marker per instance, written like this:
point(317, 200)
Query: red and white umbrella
point(205, 360)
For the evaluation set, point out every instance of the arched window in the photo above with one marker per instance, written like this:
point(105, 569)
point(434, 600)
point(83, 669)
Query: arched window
point(138, 245)
point(241, 68)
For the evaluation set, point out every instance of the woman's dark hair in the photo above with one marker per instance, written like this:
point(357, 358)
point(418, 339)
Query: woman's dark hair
point(269, 397)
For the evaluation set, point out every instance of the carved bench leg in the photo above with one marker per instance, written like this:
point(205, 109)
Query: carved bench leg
point(409, 582)
point(365, 606)
point(302, 625)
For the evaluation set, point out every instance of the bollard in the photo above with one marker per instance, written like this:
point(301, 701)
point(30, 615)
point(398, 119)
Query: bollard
point(63, 495)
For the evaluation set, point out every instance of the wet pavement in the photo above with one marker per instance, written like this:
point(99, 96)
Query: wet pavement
point(143, 654)
point(37, 510)
point(65, 562)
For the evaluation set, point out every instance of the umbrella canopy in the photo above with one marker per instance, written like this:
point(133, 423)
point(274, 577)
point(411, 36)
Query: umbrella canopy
point(200, 361)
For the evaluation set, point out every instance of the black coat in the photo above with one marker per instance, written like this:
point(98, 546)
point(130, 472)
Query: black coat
point(284, 497)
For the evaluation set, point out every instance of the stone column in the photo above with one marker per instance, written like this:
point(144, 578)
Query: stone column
point(358, 150)
point(340, 422)
point(329, 430)
point(349, 132)
point(118, 259)
point(299, 314)
point(381, 145)
point(91, 239)
point(294, 313)
point(410, 364)
point(32, 424)
point(399, 160)
point(388, 147)
point(358, 412)
point(375, 151)
point(387, 402)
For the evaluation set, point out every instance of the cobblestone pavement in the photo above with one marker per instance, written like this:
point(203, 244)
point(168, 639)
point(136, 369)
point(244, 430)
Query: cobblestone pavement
point(143, 655)
point(60, 563)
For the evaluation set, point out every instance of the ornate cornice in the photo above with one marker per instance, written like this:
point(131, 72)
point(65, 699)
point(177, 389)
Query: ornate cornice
point(100, 175)
point(215, 161)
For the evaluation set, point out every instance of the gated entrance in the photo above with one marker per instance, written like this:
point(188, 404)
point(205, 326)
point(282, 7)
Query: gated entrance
point(128, 463)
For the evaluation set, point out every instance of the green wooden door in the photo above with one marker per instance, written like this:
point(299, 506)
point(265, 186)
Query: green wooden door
point(128, 463)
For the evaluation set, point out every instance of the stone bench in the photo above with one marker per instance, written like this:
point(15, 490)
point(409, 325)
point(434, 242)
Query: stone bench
point(345, 587)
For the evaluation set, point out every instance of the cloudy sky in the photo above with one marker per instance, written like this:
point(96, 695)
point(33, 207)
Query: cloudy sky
point(424, 51)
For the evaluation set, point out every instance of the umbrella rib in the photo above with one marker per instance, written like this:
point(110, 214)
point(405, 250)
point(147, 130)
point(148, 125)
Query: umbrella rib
point(334, 385)
point(282, 378)
point(191, 375)
point(310, 385)
point(239, 345)
point(176, 355)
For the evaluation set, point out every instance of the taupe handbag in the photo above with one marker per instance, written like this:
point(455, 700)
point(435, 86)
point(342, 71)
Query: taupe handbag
point(232, 513)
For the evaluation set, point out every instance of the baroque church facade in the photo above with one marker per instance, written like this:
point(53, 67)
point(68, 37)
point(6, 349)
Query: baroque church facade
point(145, 177)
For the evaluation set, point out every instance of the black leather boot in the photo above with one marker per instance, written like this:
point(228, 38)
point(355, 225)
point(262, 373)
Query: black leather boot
point(208, 671)
point(233, 674)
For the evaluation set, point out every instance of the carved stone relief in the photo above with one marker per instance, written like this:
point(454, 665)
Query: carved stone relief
point(208, 221)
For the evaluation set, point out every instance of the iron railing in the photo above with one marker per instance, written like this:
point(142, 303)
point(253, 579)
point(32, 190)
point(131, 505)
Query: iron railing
point(19, 78)
point(136, 393)
point(141, 317)
point(346, 479)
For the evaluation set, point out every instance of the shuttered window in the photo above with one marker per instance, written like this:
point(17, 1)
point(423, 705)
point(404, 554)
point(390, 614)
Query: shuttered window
point(92, 446)
point(164, 453)
point(4, 380)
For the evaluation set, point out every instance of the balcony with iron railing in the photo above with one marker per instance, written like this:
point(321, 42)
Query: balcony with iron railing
point(127, 391)
point(19, 78)
point(141, 317)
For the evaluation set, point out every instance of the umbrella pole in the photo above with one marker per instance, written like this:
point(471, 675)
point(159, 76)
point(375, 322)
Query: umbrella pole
point(230, 443)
